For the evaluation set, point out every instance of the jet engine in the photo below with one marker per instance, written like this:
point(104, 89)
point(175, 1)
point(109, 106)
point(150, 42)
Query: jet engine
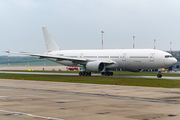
point(95, 66)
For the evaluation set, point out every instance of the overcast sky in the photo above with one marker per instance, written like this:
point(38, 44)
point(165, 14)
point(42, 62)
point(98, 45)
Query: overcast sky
point(77, 24)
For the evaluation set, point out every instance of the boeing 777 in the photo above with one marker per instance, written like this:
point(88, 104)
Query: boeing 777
point(104, 60)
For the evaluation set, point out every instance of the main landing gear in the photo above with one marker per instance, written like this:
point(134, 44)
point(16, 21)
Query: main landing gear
point(84, 73)
point(107, 73)
point(159, 75)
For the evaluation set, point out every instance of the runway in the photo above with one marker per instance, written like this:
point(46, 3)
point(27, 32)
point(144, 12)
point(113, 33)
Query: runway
point(76, 74)
point(78, 101)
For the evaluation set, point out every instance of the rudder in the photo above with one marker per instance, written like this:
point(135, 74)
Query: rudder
point(49, 41)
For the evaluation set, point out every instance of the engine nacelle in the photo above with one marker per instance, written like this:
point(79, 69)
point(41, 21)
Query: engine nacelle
point(135, 70)
point(95, 66)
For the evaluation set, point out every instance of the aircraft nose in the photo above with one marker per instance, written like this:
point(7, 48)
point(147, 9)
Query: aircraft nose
point(174, 61)
point(170, 62)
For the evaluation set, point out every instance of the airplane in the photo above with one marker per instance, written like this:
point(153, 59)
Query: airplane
point(103, 60)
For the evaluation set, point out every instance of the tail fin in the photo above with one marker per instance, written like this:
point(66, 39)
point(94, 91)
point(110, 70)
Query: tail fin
point(50, 43)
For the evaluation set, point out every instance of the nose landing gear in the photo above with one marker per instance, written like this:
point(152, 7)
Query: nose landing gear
point(159, 75)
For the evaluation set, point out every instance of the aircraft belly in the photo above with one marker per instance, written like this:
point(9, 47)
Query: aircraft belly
point(133, 64)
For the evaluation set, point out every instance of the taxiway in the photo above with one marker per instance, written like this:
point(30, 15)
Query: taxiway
point(23, 99)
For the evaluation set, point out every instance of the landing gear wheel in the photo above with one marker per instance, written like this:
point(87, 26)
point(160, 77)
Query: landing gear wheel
point(80, 73)
point(84, 73)
point(89, 74)
point(102, 73)
point(159, 75)
point(107, 73)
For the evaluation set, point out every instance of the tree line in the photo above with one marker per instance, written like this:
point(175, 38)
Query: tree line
point(19, 59)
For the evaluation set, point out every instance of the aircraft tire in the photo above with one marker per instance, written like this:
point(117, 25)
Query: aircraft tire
point(83, 73)
point(159, 75)
point(80, 73)
point(102, 73)
point(89, 74)
point(108, 73)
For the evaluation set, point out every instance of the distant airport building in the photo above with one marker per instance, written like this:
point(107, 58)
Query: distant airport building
point(175, 54)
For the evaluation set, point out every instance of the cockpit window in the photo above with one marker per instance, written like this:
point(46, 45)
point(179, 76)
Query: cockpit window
point(168, 56)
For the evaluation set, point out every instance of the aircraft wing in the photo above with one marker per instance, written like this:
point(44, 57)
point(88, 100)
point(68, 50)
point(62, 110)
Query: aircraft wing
point(77, 60)
point(59, 58)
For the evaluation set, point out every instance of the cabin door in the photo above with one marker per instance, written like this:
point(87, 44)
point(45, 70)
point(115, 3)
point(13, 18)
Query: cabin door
point(124, 59)
point(152, 56)
point(81, 55)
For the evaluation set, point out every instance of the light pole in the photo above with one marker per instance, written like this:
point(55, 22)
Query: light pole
point(102, 39)
point(133, 42)
point(170, 46)
point(8, 59)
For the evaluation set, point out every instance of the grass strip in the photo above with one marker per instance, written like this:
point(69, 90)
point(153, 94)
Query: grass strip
point(97, 80)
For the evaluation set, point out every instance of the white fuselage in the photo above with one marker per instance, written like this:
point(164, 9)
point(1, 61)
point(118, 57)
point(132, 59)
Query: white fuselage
point(121, 58)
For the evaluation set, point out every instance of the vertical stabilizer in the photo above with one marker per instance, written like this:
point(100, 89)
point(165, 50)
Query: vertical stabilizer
point(50, 43)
